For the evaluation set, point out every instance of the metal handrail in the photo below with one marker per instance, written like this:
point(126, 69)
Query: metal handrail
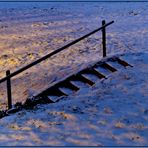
point(10, 75)
point(53, 53)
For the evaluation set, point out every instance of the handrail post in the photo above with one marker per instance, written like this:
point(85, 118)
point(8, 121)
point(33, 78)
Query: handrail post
point(9, 96)
point(104, 38)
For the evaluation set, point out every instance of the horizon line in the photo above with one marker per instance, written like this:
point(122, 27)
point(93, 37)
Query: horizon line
point(74, 1)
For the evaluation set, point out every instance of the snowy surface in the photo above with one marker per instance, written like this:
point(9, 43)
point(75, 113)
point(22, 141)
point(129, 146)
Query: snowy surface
point(111, 113)
point(30, 30)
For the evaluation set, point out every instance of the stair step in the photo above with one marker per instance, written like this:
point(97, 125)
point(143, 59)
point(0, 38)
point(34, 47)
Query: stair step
point(81, 78)
point(102, 70)
point(122, 62)
point(53, 98)
point(85, 79)
point(79, 83)
point(92, 72)
point(99, 74)
point(115, 64)
point(91, 77)
point(66, 90)
point(109, 67)
point(69, 85)
point(56, 92)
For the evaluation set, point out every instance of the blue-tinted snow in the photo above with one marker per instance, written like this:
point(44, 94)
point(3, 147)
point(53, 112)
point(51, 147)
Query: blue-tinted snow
point(114, 112)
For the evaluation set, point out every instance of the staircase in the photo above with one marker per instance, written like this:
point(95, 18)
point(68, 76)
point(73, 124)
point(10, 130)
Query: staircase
point(75, 82)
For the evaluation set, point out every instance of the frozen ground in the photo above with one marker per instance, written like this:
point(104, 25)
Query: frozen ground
point(29, 31)
point(113, 112)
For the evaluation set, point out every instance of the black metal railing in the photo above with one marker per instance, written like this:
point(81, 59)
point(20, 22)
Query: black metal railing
point(10, 75)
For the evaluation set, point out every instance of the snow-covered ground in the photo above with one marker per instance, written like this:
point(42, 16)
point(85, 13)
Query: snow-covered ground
point(30, 30)
point(113, 112)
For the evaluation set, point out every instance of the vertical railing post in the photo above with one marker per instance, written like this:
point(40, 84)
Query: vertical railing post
point(9, 96)
point(104, 39)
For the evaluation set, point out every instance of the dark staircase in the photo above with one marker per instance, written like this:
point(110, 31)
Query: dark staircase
point(88, 76)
